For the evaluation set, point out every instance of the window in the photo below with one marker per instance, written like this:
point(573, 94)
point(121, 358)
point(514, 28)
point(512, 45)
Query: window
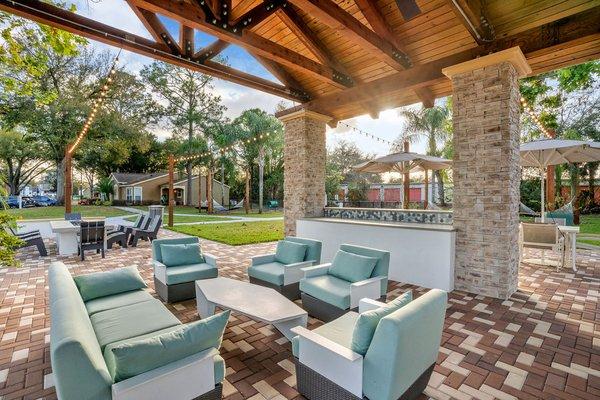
point(133, 194)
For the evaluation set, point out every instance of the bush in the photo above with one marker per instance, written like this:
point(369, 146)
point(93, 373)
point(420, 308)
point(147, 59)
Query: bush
point(531, 193)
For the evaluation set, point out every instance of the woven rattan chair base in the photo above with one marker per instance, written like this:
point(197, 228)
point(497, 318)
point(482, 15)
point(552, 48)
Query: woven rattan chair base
point(315, 386)
point(215, 394)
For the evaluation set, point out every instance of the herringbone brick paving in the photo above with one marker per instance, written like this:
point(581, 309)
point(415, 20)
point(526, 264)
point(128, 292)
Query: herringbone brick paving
point(544, 342)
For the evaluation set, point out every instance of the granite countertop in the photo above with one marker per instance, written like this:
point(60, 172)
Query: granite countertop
point(387, 224)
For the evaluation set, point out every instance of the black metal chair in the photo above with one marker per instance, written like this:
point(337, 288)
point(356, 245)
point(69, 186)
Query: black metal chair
point(146, 234)
point(73, 216)
point(32, 238)
point(91, 237)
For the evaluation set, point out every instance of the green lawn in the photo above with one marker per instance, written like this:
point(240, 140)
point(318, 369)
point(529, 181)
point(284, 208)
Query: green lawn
point(58, 212)
point(236, 233)
point(187, 218)
point(254, 213)
point(589, 241)
point(588, 223)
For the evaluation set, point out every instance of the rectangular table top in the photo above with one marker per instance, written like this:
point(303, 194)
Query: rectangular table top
point(257, 302)
point(63, 226)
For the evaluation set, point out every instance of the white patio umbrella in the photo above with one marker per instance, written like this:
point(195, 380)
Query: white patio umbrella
point(404, 163)
point(545, 152)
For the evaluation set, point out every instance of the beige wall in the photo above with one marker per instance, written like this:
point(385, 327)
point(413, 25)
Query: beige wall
point(216, 190)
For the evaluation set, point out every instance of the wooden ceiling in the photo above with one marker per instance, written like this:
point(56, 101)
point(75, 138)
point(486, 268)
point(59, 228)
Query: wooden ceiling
point(344, 58)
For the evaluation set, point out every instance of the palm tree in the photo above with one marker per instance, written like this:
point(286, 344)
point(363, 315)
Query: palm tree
point(430, 123)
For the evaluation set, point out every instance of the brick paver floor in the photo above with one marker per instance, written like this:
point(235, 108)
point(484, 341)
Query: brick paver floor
point(544, 342)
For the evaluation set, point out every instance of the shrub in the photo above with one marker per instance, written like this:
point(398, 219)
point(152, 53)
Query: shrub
point(8, 242)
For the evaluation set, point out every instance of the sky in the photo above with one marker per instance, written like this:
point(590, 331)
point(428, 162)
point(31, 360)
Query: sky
point(237, 98)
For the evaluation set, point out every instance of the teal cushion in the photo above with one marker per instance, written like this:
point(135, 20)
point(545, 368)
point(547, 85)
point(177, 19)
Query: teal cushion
point(131, 321)
point(136, 356)
point(367, 323)
point(352, 267)
point(117, 300)
point(190, 273)
point(78, 367)
point(100, 284)
point(270, 272)
point(289, 252)
point(339, 331)
point(174, 255)
point(328, 288)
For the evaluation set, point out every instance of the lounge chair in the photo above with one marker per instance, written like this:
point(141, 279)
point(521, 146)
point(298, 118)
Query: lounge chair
point(91, 237)
point(330, 290)
point(282, 270)
point(543, 237)
point(141, 222)
point(148, 233)
point(116, 236)
point(178, 263)
point(384, 352)
point(32, 238)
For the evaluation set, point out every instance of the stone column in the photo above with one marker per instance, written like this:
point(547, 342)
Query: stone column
point(304, 166)
point(486, 172)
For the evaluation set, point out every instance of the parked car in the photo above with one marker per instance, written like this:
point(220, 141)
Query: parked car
point(12, 201)
point(27, 201)
point(89, 202)
point(43, 201)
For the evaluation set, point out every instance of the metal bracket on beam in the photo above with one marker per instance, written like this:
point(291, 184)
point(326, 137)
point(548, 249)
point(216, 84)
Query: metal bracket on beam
point(343, 79)
point(300, 94)
point(259, 14)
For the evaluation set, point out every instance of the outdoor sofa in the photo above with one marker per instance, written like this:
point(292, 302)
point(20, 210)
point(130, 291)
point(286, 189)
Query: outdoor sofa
point(282, 270)
point(330, 290)
point(110, 339)
point(178, 263)
point(384, 352)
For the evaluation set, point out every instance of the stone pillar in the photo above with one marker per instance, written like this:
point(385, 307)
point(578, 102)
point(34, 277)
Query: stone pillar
point(486, 172)
point(304, 166)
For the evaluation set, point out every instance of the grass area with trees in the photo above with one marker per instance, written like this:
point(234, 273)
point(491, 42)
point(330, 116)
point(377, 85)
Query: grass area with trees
point(58, 212)
point(236, 233)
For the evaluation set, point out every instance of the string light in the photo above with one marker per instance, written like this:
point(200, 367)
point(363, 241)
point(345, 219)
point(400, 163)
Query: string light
point(534, 117)
point(222, 150)
point(367, 134)
point(95, 105)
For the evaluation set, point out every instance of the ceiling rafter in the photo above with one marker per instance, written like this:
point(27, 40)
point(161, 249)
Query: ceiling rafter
point(186, 41)
point(156, 28)
point(353, 30)
point(210, 51)
point(56, 17)
point(259, 13)
point(195, 17)
point(471, 14)
point(377, 21)
point(281, 74)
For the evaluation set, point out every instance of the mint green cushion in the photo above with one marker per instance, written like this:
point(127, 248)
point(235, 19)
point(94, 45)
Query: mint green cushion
point(339, 331)
point(174, 255)
point(367, 323)
point(77, 364)
point(190, 273)
point(136, 356)
point(290, 252)
point(328, 288)
point(131, 321)
point(117, 300)
point(269, 272)
point(100, 284)
point(352, 267)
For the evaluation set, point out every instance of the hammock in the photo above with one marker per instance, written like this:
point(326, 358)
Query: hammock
point(216, 205)
point(523, 209)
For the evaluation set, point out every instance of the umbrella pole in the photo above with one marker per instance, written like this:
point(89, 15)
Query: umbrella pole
point(426, 203)
point(543, 175)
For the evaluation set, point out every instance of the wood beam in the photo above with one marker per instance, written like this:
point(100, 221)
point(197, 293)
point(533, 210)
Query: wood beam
point(571, 28)
point(192, 16)
point(186, 41)
point(56, 17)
point(156, 29)
point(282, 74)
point(258, 14)
point(353, 30)
point(471, 14)
point(426, 95)
point(210, 51)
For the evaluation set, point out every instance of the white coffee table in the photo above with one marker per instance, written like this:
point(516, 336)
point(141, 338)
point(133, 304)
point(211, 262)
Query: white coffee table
point(257, 302)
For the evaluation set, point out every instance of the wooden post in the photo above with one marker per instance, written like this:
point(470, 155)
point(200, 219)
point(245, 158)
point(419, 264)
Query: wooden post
point(406, 180)
point(426, 202)
point(68, 181)
point(550, 181)
point(200, 191)
point(247, 194)
point(209, 197)
point(171, 191)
